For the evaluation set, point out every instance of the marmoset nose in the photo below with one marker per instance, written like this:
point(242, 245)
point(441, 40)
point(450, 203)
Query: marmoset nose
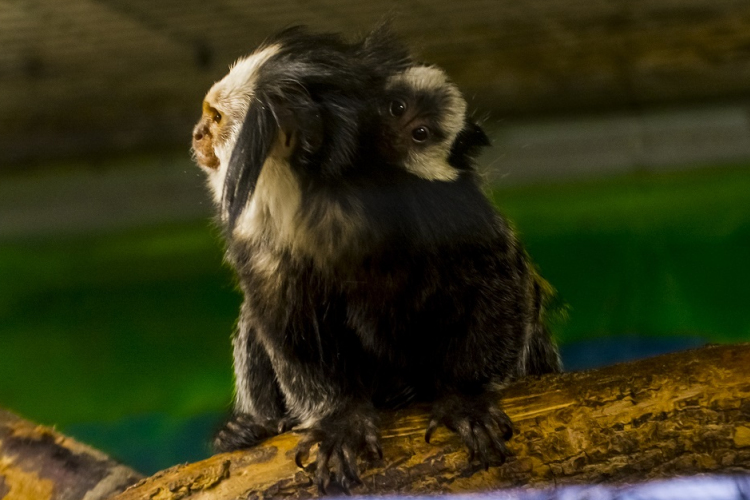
point(199, 132)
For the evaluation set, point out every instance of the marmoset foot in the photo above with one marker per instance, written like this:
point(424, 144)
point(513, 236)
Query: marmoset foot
point(341, 439)
point(483, 427)
point(245, 431)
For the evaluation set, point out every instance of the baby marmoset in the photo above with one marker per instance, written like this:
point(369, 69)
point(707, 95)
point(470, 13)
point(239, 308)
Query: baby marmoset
point(374, 269)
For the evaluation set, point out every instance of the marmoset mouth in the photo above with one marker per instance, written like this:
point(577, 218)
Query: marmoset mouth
point(206, 159)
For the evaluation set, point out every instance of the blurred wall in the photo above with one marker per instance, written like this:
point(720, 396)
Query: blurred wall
point(86, 77)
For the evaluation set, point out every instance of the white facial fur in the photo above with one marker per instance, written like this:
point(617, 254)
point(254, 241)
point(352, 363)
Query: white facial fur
point(275, 202)
point(272, 216)
point(432, 163)
point(231, 97)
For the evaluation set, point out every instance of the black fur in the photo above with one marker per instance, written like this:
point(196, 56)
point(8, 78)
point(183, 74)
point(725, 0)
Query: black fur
point(467, 146)
point(318, 87)
point(430, 297)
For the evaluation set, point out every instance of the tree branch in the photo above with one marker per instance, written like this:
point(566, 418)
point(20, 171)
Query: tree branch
point(671, 415)
point(38, 463)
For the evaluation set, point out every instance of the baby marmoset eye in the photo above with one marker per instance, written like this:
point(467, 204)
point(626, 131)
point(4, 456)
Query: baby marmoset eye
point(398, 108)
point(411, 117)
point(420, 134)
point(409, 125)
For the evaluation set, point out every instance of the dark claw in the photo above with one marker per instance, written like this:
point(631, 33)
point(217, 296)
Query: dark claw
point(466, 431)
point(323, 474)
point(323, 485)
point(303, 451)
point(349, 462)
point(338, 472)
point(508, 432)
point(298, 458)
point(483, 427)
point(341, 439)
point(431, 429)
point(344, 485)
point(481, 437)
point(503, 423)
point(284, 425)
point(498, 441)
point(374, 445)
point(244, 431)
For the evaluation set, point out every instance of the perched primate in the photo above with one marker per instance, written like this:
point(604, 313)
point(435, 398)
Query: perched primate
point(374, 270)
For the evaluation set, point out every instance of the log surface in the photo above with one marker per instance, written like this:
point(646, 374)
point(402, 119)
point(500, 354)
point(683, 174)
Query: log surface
point(671, 415)
point(38, 463)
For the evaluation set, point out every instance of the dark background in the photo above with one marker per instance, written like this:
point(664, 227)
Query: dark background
point(621, 136)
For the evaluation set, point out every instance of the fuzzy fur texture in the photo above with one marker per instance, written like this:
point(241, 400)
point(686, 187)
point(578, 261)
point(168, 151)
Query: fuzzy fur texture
point(375, 271)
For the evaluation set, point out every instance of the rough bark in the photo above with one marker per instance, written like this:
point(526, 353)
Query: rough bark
point(37, 463)
point(677, 414)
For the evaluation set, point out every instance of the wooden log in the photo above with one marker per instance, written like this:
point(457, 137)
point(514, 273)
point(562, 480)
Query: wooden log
point(676, 414)
point(38, 463)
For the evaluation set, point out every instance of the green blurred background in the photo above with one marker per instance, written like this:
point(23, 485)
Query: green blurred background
point(625, 172)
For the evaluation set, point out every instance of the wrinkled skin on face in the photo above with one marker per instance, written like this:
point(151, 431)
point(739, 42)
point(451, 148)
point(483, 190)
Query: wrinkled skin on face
point(207, 130)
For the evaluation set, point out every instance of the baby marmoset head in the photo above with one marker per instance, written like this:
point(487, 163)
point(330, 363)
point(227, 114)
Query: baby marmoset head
point(425, 128)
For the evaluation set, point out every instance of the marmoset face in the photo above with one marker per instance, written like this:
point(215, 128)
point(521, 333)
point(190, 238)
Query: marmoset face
point(224, 109)
point(422, 115)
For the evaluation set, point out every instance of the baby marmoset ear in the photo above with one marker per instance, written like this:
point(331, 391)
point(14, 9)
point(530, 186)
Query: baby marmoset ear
point(468, 145)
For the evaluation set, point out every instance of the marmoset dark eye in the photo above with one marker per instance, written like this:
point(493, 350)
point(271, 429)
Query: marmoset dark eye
point(398, 108)
point(420, 134)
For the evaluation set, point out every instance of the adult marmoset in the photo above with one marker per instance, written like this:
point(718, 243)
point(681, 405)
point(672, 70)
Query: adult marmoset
point(374, 270)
